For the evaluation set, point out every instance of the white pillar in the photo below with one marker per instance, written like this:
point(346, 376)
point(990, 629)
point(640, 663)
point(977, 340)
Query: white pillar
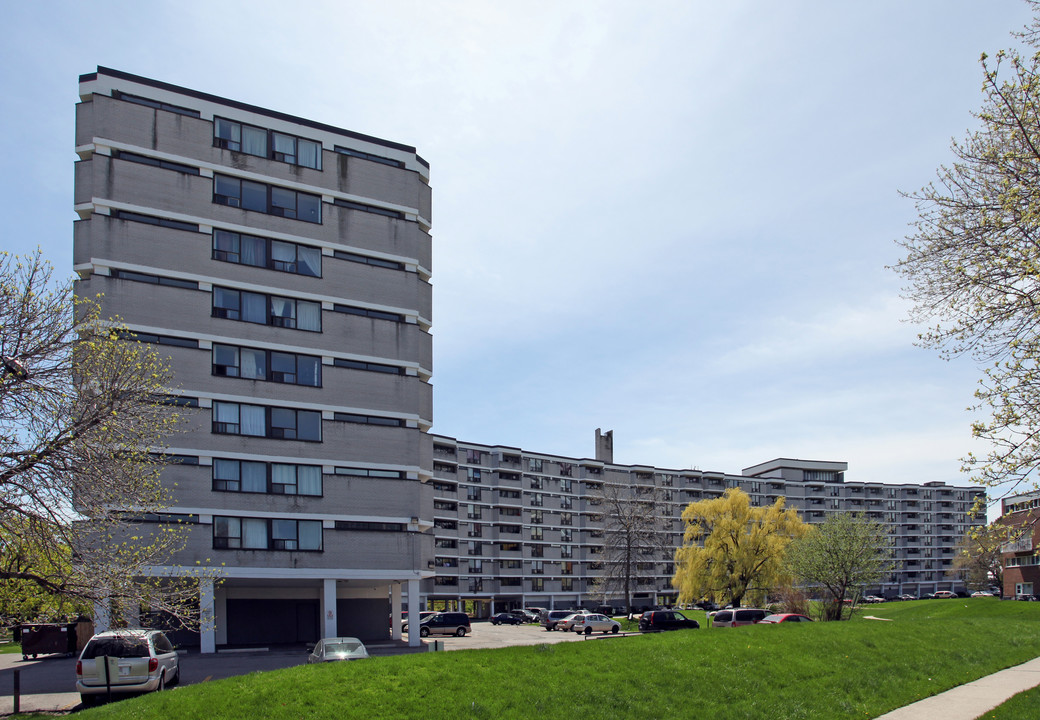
point(395, 611)
point(413, 613)
point(492, 606)
point(207, 621)
point(103, 614)
point(329, 608)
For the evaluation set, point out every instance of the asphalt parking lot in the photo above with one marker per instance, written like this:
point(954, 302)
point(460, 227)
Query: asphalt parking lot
point(48, 683)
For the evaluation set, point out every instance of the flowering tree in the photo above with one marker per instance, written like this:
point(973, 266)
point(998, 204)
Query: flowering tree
point(82, 420)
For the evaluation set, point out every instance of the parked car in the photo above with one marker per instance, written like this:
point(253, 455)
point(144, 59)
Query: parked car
point(423, 614)
point(445, 623)
point(944, 595)
point(607, 610)
point(737, 617)
point(981, 593)
point(567, 623)
point(659, 620)
point(506, 619)
point(707, 606)
point(907, 596)
point(140, 661)
point(871, 599)
point(783, 618)
point(550, 618)
point(589, 623)
point(525, 615)
point(338, 648)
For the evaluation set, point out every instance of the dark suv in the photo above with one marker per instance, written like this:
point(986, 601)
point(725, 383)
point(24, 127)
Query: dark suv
point(445, 623)
point(658, 620)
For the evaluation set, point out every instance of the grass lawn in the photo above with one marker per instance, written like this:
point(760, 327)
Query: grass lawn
point(857, 669)
point(11, 647)
point(1024, 706)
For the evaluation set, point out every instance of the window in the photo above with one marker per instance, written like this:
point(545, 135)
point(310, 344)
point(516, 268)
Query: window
point(269, 422)
point(566, 535)
point(565, 483)
point(159, 339)
point(537, 499)
point(254, 364)
point(566, 551)
point(271, 478)
point(368, 419)
point(445, 543)
point(369, 473)
point(537, 533)
point(445, 505)
point(537, 567)
point(511, 564)
point(567, 568)
point(475, 530)
point(365, 312)
point(269, 199)
point(511, 494)
point(537, 584)
point(445, 524)
point(155, 162)
point(266, 253)
point(475, 548)
point(536, 516)
point(365, 260)
point(230, 533)
point(567, 584)
point(370, 367)
point(476, 567)
point(566, 518)
point(369, 156)
point(536, 483)
point(148, 102)
point(473, 493)
point(266, 309)
point(473, 475)
point(152, 220)
point(445, 562)
point(270, 144)
point(350, 205)
point(473, 512)
point(567, 470)
point(537, 550)
point(154, 279)
point(476, 585)
point(534, 464)
point(475, 457)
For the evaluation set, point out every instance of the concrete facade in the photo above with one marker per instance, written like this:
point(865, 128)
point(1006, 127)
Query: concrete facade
point(516, 528)
point(283, 266)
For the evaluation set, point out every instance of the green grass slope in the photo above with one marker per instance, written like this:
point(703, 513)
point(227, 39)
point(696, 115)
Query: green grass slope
point(857, 669)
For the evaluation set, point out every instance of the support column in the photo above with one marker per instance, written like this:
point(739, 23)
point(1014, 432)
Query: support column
point(413, 613)
point(207, 621)
point(103, 614)
point(328, 598)
point(395, 611)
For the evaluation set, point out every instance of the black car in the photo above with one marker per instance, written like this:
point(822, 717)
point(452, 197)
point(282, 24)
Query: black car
point(658, 620)
point(505, 619)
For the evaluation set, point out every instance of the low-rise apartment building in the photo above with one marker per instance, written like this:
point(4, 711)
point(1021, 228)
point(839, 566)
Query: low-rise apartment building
point(1022, 552)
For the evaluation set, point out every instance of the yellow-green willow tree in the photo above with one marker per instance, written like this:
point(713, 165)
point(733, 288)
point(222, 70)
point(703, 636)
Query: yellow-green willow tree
point(731, 549)
point(83, 417)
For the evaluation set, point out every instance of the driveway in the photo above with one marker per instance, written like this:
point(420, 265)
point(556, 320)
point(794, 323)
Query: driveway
point(48, 683)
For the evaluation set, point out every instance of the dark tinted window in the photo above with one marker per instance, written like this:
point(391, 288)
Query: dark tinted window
point(124, 647)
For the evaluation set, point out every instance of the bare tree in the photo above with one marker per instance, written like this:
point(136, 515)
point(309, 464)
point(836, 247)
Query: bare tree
point(83, 416)
point(634, 539)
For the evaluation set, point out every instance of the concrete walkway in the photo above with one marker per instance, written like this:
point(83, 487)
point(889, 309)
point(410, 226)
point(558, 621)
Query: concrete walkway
point(971, 701)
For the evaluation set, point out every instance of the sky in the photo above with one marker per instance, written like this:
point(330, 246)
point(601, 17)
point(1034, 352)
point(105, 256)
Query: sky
point(672, 220)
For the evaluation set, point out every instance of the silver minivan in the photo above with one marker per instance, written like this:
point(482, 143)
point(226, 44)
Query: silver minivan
point(738, 616)
point(139, 661)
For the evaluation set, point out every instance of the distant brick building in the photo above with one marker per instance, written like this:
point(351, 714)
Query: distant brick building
point(1022, 555)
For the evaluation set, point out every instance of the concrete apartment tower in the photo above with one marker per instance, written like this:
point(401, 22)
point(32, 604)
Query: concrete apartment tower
point(284, 267)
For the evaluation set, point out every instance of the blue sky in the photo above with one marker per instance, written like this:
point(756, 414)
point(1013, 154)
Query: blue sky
point(669, 219)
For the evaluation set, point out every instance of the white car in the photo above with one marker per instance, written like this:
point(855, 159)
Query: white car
point(337, 648)
point(138, 661)
point(594, 622)
point(568, 622)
